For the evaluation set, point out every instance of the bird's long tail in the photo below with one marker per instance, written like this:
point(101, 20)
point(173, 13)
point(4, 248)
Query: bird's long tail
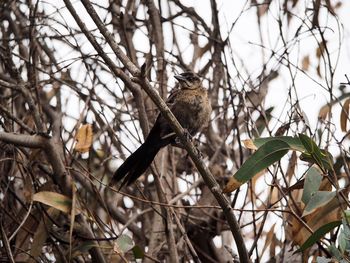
point(136, 164)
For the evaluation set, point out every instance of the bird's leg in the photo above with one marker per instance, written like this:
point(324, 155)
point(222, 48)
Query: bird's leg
point(177, 143)
point(187, 136)
point(199, 153)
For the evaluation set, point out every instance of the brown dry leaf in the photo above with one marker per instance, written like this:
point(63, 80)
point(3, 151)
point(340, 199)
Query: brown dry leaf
point(344, 115)
point(274, 243)
point(249, 144)
point(72, 220)
point(28, 188)
point(269, 237)
point(291, 166)
point(232, 185)
point(275, 195)
point(318, 71)
point(23, 241)
point(321, 216)
point(324, 111)
point(41, 233)
point(338, 5)
point(294, 225)
point(84, 138)
point(56, 200)
point(305, 63)
point(325, 185)
point(325, 214)
point(321, 48)
point(263, 8)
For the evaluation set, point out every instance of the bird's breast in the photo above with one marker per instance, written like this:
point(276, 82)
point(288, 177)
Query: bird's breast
point(193, 110)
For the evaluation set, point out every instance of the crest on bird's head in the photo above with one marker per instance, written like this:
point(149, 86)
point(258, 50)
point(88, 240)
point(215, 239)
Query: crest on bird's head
point(188, 80)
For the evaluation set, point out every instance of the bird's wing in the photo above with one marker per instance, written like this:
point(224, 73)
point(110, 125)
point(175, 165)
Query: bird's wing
point(172, 97)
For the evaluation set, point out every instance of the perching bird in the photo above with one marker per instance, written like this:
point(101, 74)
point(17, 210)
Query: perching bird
point(191, 107)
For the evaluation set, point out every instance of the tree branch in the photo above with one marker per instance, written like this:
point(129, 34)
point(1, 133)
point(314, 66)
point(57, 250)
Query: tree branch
point(192, 151)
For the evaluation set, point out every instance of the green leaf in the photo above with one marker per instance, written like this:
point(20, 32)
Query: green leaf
point(314, 154)
point(323, 260)
point(318, 199)
point(335, 252)
point(124, 243)
point(344, 237)
point(308, 143)
point(346, 228)
point(267, 154)
point(342, 242)
point(293, 142)
point(347, 214)
point(138, 252)
point(318, 234)
point(312, 184)
point(326, 159)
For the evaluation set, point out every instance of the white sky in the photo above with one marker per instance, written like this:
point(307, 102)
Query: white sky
point(244, 39)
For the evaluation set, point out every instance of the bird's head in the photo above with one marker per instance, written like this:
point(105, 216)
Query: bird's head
point(188, 80)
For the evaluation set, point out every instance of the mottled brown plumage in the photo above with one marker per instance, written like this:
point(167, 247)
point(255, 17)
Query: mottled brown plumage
point(191, 107)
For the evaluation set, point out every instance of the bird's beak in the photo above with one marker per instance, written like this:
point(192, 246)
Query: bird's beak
point(180, 78)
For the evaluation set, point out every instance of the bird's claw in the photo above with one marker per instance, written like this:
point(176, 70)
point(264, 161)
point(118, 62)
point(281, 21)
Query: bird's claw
point(177, 141)
point(196, 145)
point(187, 136)
point(199, 153)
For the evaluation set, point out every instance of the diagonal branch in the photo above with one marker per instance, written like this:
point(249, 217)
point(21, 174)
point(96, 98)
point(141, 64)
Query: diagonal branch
point(175, 125)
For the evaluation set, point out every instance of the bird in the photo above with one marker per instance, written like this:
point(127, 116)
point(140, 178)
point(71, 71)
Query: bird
point(191, 107)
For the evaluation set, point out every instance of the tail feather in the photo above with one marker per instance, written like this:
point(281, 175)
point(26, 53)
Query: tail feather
point(135, 165)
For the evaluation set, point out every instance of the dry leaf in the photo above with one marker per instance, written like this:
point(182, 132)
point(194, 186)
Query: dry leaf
point(305, 63)
point(296, 231)
point(28, 188)
point(324, 111)
point(318, 71)
point(291, 166)
point(269, 237)
point(56, 200)
point(249, 144)
point(263, 8)
point(232, 185)
point(338, 5)
point(344, 115)
point(72, 219)
point(41, 233)
point(84, 138)
point(321, 48)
